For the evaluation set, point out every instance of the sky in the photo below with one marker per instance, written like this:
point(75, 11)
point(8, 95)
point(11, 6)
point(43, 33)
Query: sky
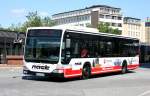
point(14, 11)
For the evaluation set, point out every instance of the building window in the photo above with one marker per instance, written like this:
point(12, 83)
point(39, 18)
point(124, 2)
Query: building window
point(107, 10)
point(114, 17)
point(87, 17)
point(83, 17)
point(101, 16)
point(80, 18)
point(119, 25)
point(129, 33)
point(108, 17)
point(117, 11)
point(137, 34)
point(101, 8)
point(81, 24)
point(119, 18)
point(113, 24)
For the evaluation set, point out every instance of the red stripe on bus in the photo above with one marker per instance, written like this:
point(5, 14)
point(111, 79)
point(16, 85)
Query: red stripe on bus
point(94, 69)
point(68, 73)
point(131, 67)
point(117, 67)
point(100, 70)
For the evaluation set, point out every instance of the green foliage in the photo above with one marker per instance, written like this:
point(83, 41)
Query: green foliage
point(116, 31)
point(89, 25)
point(1, 28)
point(33, 20)
point(46, 21)
point(104, 27)
point(14, 27)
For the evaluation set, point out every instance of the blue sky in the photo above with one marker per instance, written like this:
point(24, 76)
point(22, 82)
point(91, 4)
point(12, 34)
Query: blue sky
point(14, 11)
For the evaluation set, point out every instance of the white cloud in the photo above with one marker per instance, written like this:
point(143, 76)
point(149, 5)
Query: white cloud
point(18, 12)
point(44, 14)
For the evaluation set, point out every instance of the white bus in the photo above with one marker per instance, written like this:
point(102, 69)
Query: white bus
point(64, 51)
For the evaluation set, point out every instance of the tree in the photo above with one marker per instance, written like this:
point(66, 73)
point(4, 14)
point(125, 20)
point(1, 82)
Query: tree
point(46, 21)
point(89, 25)
point(14, 27)
point(33, 20)
point(1, 28)
point(105, 27)
point(117, 31)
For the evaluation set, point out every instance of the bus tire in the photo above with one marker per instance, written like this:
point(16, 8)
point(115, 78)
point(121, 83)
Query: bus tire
point(124, 68)
point(86, 71)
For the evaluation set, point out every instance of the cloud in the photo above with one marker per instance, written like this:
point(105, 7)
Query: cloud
point(18, 12)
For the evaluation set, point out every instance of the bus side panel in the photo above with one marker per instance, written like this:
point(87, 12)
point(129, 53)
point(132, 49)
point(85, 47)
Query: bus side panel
point(69, 73)
point(104, 65)
point(133, 63)
point(100, 65)
point(76, 66)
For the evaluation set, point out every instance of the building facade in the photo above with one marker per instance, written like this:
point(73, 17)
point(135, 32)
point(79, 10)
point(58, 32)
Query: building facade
point(146, 52)
point(147, 30)
point(11, 45)
point(134, 27)
point(91, 16)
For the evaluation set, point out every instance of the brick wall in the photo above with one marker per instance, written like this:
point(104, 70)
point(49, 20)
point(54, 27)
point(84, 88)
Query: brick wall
point(14, 60)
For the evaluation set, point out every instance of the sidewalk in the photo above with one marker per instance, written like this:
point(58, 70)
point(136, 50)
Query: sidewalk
point(10, 66)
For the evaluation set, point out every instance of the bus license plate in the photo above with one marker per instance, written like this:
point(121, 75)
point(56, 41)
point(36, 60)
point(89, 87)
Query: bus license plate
point(40, 74)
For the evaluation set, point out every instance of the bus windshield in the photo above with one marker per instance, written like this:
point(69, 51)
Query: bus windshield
point(43, 46)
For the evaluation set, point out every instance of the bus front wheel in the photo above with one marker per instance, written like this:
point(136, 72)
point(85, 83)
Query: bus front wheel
point(86, 72)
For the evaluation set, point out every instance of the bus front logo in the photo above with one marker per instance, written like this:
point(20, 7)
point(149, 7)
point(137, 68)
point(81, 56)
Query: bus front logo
point(40, 67)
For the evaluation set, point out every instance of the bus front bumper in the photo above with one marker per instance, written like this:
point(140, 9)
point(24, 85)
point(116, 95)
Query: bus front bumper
point(31, 73)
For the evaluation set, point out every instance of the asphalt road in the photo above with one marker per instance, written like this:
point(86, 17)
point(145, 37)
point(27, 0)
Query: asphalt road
point(135, 83)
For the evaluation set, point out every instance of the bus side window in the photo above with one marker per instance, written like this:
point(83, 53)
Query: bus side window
point(76, 49)
point(84, 53)
point(68, 43)
point(66, 50)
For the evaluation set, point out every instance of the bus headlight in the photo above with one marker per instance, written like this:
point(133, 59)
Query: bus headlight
point(25, 68)
point(58, 71)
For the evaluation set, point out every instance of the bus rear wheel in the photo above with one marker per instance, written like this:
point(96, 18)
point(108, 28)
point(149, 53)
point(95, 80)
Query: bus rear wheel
point(86, 72)
point(124, 69)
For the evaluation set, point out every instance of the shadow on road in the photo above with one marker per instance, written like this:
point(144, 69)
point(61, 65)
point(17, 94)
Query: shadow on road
point(63, 80)
point(110, 74)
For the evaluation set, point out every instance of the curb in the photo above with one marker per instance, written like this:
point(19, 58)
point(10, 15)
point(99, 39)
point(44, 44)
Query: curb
point(10, 66)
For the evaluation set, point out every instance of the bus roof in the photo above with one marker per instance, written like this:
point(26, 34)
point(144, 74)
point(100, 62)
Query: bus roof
point(85, 30)
point(62, 27)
